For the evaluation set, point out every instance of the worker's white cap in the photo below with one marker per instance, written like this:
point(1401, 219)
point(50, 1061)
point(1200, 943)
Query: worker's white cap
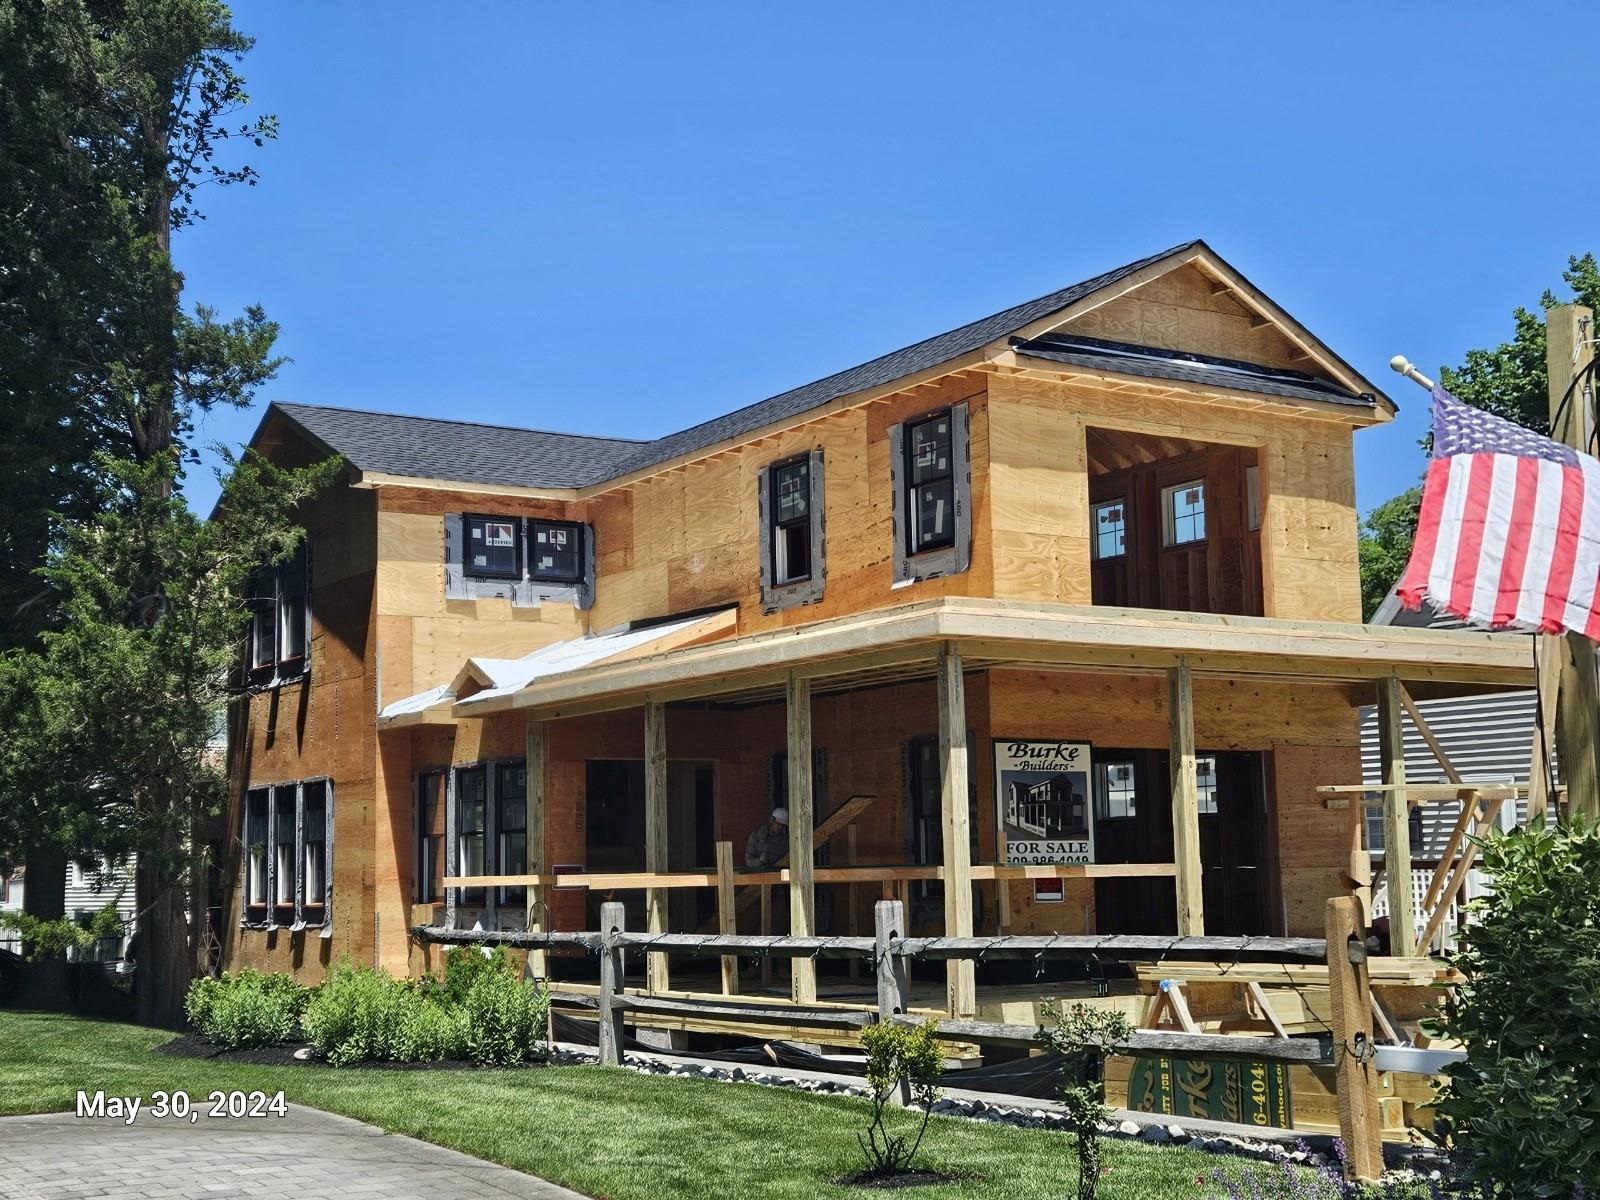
point(781, 815)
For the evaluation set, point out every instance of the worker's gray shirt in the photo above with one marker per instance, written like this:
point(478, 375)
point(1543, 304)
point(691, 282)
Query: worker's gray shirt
point(764, 848)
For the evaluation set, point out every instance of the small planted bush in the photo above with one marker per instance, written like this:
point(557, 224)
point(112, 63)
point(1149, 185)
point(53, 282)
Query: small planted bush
point(245, 1009)
point(898, 1055)
point(359, 1014)
point(506, 1018)
point(1084, 1036)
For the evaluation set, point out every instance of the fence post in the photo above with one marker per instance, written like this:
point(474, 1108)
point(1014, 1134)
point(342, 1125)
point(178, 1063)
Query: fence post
point(612, 922)
point(1357, 1078)
point(894, 981)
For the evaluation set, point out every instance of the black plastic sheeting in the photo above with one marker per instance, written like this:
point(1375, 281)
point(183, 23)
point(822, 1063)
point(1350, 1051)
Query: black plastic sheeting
point(1036, 1077)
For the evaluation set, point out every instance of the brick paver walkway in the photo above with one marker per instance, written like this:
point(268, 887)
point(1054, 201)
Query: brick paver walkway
point(307, 1155)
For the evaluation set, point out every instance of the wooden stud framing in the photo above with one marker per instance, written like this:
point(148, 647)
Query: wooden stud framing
point(1396, 820)
point(953, 799)
point(537, 751)
point(802, 893)
point(1541, 758)
point(1185, 803)
point(655, 833)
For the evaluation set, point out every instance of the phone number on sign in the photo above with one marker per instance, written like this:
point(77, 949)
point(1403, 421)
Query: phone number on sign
point(182, 1106)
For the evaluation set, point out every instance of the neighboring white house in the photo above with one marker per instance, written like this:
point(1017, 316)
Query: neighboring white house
point(87, 892)
point(10, 901)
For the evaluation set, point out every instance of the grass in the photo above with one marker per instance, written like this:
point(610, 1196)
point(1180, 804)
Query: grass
point(605, 1132)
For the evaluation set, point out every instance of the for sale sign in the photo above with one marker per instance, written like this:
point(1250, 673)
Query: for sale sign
point(1042, 788)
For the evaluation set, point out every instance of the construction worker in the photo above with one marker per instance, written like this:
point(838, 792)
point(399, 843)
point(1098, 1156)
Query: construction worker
point(768, 843)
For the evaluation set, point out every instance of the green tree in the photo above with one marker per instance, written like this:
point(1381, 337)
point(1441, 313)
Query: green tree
point(1509, 380)
point(109, 709)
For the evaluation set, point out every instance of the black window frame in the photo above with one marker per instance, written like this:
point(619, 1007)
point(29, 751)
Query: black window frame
point(780, 526)
point(506, 862)
point(429, 846)
point(518, 546)
point(463, 835)
point(529, 549)
point(913, 486)
point(280, 599)
point(274, 816)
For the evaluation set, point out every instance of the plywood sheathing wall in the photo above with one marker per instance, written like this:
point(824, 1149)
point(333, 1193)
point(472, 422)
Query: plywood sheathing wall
point(1039, 491)
point(424, 638)
point(320, 726)
point(1182, 310)
point(689, 538)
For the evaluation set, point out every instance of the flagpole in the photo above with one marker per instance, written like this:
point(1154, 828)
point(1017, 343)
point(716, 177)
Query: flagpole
point(1404, 366)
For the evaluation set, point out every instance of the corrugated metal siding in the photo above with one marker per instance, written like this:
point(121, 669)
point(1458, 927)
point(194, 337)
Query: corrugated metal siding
point(1487, 738)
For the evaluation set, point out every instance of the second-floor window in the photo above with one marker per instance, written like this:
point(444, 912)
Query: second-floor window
point(494, 547)
point(555, 551)
point(280, 617)
point(1183, 513)
point(791, 521)
point(930, 482)
point(1110, 529)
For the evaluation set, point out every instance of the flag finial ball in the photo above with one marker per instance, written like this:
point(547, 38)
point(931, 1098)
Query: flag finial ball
point(1400, 363)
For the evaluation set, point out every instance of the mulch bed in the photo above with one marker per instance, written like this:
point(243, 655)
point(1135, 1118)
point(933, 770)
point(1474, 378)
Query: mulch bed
point(191, 1045)
point(902, 1179)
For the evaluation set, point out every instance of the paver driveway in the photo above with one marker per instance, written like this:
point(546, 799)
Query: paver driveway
point(306, 1155)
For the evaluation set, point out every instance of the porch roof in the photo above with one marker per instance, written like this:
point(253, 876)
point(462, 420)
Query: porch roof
point(900, 643)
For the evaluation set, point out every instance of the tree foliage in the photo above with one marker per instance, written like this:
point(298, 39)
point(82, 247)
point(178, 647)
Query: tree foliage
point(1525, 1105)
point(116, 114)
point(1510, 380)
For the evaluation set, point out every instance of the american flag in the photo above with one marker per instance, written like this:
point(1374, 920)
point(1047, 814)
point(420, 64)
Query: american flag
point(1509, 532)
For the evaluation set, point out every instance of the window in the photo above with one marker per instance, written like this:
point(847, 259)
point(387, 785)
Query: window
point(278, 616)
point(930, 483)
point(1114, 791)
point(494, 547)
point(283, 855)
point(430, 837)
point(791, 521)
point(511, 800)
point(557, 555)
point(255, 854)
point(472, 803)
point(1205, 774)
point(314, 859)
point(1183, 513)
point(1110, 529)
point(1377, 840)
point(287, 833)
point(1252, 489)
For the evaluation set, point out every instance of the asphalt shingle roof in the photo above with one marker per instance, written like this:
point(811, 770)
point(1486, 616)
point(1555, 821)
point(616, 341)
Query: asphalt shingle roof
point(1147, 361)
point(431, 448)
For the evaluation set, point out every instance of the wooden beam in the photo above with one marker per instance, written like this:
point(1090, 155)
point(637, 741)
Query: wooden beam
point(536, 747)
point(1185, 802)
point(727, 915)
point(802, 860)
point(1463, 869)
point(1568, 350)
point(1350, 994)
point(1541, 759)
point(655, 835)
point(1428, 736)
point(954, 782)
point(1396, 820)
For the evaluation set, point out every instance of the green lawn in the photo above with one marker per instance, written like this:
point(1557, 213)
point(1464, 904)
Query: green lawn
point(606, 1132)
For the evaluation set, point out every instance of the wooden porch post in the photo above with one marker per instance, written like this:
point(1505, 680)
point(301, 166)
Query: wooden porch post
point(537, 753)
point(1396, 821)
point(1185, 804)
point(655, 835)
point(954, 790)
point(802, 896)
point(1567, 351)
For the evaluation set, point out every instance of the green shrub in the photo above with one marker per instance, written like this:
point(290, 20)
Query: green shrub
point(898, 1055)
point(1525, 1105)
point(464, 966)
point(429, 1031)
point(506, 1017)
point(359, 1014)
point(246, 1009)
point(1084, 1036)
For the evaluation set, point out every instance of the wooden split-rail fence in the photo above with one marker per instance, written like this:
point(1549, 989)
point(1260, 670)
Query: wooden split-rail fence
point(890, 952)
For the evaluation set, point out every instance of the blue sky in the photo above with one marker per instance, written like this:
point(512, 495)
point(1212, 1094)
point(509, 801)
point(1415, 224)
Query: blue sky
point(625, 218)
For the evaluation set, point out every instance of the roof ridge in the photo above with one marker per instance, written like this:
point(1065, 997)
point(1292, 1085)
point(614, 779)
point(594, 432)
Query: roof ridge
point(290, 405)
